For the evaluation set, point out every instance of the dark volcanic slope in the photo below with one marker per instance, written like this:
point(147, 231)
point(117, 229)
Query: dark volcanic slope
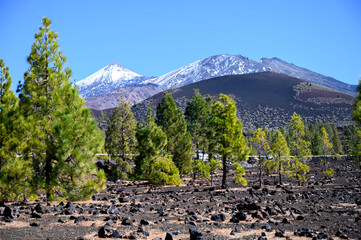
point(266, 99)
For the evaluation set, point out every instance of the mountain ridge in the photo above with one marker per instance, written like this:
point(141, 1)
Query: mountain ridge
point(225, 64)
point(101, 85)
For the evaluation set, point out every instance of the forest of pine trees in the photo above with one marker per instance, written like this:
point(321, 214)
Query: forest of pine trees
point(49, 139)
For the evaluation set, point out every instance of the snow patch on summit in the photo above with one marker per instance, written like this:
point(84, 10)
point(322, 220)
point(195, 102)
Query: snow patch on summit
point(107, 79)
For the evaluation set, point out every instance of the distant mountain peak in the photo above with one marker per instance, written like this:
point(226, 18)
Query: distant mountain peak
point(107, 79)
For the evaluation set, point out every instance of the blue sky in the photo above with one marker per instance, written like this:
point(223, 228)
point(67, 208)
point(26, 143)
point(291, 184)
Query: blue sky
point(154, 37)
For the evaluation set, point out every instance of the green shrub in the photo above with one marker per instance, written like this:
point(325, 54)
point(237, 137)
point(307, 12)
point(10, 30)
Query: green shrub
point(163, 172)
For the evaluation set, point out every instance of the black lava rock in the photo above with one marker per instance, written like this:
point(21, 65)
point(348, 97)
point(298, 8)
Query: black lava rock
point(34, 224)
point(248, 206)
point(169, 236)
point(104, 232)
point(219, 217)
point(116, 234)
point(144, 222)
point(195, 234)
point(36, 215)
point(127, 221)
point(11, 212)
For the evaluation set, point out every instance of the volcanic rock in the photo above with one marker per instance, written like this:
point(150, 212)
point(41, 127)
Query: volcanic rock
point(195, 234)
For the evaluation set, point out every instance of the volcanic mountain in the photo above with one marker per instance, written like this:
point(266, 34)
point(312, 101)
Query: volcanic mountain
point(102, 89)
point(109, 78)
point(265, 99)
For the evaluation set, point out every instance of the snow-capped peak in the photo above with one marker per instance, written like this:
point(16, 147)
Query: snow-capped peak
point(215, 66)
point(113, 72)
point(108, 78)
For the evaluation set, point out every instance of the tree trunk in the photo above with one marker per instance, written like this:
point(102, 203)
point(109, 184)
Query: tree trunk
point(260, 171)
point(197, 153)
point(279, 173)
point(48, 171)
point(225, 171)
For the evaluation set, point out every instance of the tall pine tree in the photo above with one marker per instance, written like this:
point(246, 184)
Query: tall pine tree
point(14, 170)
point(299, 147)
point(120, 140)
point(197, 115)
point(8, 110)
point(227, 137)
point(64, 136)
point(153, 162)
point(170, 118)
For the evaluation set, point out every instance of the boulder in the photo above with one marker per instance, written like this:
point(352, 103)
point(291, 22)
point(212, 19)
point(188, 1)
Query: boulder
point(10, 212)
point(34, 224)
point(195, 234)
point(112, 209)
point(127, 221)
point(104, 231)
point(36, 215)
point(239, 216)
point(169, 236)
point(219, 217)
point(248, 206)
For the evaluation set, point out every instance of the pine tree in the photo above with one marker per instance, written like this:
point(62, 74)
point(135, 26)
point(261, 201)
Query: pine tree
point(197, 114)
point(299, 147)
point(356, 148)
point(103, 120)
point(120, 140)
point(350, 140)
point(357, 118)
point(357, 105)
point(280, 152)
point(64, 136)
point(263, 149)
point(227, 139)
point(8, 109)
point(200, 169)
point(337, 146)
point(14, 170)
point(326, 147)
point(297, 170)
point(214, 165)
point(315, 143)
point(325, 144)
point(179, 145)
point(153, 162)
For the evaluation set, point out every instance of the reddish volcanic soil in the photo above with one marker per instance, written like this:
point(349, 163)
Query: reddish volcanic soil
point(325, 208)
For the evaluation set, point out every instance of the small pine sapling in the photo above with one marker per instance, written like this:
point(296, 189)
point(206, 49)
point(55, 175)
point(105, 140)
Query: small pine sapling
point(326, 147)
point(200, 169)
point(263, 149)
point(214, 165)
point(297, 170)
point(280, 152)
point(240, 172)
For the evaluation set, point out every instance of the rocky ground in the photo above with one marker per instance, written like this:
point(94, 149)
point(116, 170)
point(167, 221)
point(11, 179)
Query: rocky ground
point(325, 208)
